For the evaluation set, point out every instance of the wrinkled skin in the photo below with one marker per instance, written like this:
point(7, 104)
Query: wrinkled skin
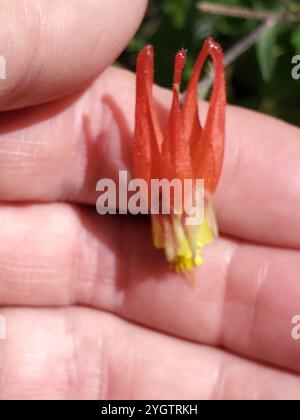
point(91, 309)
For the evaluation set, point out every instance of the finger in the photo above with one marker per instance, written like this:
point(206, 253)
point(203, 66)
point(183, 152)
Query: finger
point(67, 45)
point(72, 354)
point(244, 300)
point(60, 151)
point(259, 193)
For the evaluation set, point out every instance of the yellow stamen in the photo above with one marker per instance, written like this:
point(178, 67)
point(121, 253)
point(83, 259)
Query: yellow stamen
point(183, 246)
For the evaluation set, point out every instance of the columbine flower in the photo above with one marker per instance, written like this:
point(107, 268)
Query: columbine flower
point(185, 151)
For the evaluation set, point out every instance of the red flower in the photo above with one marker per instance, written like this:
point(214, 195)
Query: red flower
point(185, 151)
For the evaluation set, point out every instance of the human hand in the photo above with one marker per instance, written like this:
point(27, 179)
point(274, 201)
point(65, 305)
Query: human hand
point(92, 310)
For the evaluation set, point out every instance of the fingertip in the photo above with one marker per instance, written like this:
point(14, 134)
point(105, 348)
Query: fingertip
point(66, 46)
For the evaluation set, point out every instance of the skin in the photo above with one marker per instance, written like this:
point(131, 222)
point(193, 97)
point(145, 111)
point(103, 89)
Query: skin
point(92, 310)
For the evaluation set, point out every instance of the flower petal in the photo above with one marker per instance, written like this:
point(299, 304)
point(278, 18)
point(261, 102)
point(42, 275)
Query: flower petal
point(207, 145)
point(176, 151)
point(148, 137)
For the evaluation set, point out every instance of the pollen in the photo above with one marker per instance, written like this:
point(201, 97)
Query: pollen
point(184, 260)
point(176, 87)
point(183, 263)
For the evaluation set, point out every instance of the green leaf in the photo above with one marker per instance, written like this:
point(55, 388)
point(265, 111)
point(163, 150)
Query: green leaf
point(136, 44)
point(177, 11)
point(295, 39)
point(266, 49)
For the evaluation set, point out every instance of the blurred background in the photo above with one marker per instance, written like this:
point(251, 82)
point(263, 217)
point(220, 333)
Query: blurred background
point(259, 76)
